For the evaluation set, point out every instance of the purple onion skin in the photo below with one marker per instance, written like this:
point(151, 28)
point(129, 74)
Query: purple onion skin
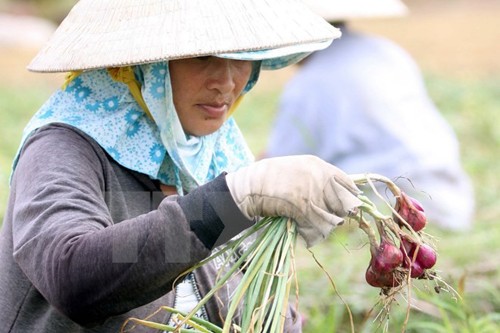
point(416, 270)
point(406, 246)
point(416, 204)
point(426, 256)
point(381, 272)
point(374, 279)
point(387, 258)
point(411, 211)
point(381, 280)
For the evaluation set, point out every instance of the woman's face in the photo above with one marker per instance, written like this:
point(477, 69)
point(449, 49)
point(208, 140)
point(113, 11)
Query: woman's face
point(204, 89)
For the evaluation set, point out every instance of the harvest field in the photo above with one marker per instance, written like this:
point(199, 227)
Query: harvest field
point(456, 42)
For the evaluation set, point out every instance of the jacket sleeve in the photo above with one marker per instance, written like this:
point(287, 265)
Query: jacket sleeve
point(67, 244)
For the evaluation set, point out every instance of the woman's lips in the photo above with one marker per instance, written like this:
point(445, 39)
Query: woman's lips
point(214, 110)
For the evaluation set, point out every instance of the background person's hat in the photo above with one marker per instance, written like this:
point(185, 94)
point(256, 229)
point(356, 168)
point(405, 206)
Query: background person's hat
point(341, 10)
point(113, 33)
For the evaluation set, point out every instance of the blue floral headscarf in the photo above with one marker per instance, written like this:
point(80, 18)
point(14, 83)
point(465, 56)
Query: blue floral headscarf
point(106, 110)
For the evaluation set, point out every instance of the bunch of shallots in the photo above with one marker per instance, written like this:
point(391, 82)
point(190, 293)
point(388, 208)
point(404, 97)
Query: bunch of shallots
point(400, 251)
point(398, 254)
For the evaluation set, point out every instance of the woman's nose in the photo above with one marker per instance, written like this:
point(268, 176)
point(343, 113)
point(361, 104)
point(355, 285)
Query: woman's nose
point(222, 76)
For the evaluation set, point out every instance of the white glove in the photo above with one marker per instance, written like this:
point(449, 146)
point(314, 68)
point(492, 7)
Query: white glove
point(314, 193)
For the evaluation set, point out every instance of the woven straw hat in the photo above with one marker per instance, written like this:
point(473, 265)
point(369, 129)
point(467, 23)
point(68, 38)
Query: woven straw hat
point(113, 33)
point(341, 10)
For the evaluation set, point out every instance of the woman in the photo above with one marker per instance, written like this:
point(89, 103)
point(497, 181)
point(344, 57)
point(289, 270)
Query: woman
point(134, 171)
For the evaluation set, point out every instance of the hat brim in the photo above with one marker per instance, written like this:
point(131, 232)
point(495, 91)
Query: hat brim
point(113, 33)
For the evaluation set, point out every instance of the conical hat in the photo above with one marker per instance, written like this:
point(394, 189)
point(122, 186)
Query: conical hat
point(113, 33)
point(341, 10)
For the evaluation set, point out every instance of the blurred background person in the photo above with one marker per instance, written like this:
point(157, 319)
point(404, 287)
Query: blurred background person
point(362, 105)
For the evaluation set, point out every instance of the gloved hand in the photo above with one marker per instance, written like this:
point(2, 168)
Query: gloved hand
point(314, 193)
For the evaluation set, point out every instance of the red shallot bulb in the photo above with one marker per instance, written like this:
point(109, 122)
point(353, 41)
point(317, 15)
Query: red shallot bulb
point(411, 211)
point(418, 262)
point(381, 280)
point(373, 278)
point(387, 257)
point(416, 270)
point(406, 246)
point(426, 256)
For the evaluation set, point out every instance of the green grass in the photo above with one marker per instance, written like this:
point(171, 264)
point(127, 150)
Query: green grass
point(472, 109)
point(16, 107)
point(468, 262)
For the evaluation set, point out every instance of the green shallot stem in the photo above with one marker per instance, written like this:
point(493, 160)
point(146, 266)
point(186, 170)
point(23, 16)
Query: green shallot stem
point(236, 267)
point(163, 327)
point(192, 323)
point(231, 245)
point(282, 278)
point(369, 207)
point(372, 237)
point(363, 178)
point(208, 325)
point(269, 244)
point(261, 285)
point(282, 294)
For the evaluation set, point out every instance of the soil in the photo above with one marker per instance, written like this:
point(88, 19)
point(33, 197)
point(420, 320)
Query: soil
point(449, 37)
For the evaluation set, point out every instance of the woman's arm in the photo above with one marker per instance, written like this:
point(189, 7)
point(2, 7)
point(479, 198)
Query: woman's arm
point(82, 261)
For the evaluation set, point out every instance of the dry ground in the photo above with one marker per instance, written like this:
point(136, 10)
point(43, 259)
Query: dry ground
point(459, 37)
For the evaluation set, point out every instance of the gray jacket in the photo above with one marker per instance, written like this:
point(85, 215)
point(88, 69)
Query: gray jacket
point(86, 243)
